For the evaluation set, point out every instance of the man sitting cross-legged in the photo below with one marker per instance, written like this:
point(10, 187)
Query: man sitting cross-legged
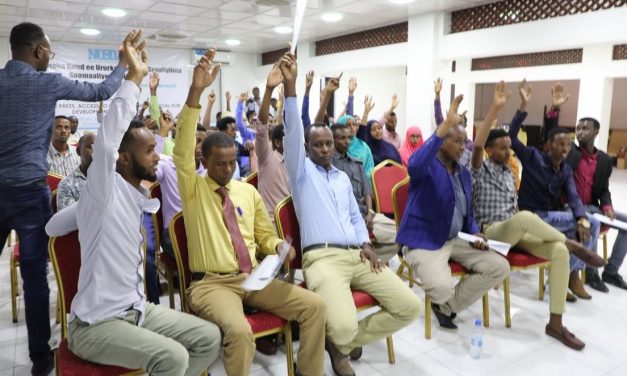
point(496, 211)
point(337, 253)
point(226, 221)
point(110, 321)
point(438, 207)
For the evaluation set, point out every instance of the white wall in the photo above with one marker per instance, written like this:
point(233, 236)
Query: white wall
point(5, 50)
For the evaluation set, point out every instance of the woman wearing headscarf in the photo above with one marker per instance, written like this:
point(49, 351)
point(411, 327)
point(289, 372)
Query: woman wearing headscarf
point(357, 147)
point(372, 133)
point(413, 141)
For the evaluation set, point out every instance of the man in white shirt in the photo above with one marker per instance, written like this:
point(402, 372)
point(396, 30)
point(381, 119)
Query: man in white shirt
point(110, 321)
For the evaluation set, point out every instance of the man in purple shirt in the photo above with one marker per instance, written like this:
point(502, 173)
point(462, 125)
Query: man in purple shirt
point(26, 128)
point(389, 119)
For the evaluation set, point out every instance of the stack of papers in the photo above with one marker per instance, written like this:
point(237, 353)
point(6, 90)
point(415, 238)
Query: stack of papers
point(500, 247)
point(615, 223)
point(267, 270)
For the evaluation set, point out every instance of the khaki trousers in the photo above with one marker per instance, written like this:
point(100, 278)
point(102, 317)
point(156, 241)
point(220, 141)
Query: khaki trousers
point(431, 266)
point(333, 272)
point(220, 299)
point(167, 343)
point(529, 232)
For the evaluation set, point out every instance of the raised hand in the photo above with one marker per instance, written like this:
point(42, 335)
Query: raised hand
point(501, 97)
point(134, 53)
point(333, 84)
point(153, 83)
point(165, 123)
point(437, 86)
point(452, 116)
point(242, 97)
point(274, 77)
point(352, 86)
point(368, 103)
point(558, 97)
point(205, 72)
point(289, 70)
point(524, 90)
point(228, 96)
point(395, 102)
point(309, 79)
point(211, 98)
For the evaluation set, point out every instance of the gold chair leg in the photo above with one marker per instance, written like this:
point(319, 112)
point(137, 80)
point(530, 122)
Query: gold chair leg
point(541, 283)
point(58, 317)
point(289, 350)
point(583, 275)
point(170, 279)
point(391, 356)
point(486, 310)
point(508, 316)
point(14, 287)
point(427, 317)
point(604, 236)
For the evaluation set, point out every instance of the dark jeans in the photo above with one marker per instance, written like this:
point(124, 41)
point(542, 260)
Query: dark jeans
point(27, 210)
point(152, 278)
point(166, 243)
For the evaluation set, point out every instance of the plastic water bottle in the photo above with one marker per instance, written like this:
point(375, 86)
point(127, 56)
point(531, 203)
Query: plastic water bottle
point(476, 340)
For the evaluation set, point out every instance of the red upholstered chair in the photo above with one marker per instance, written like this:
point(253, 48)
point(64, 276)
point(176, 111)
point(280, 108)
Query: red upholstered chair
point(384, 177)
point(53, 181)
point(65, 254)
point(400, 192)
point(252, 179)
point(166, 264)
point(287, 226)
point(262, 323)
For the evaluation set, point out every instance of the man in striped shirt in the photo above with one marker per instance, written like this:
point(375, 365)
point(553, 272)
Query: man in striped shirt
point(62, 159)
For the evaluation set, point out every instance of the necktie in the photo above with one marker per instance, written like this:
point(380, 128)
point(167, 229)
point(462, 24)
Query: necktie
point(230, 220)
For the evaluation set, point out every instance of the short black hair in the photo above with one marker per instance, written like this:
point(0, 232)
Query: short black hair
point(494, 135)
point(392, 113)
point(594, 122)
point(278, 132)
point(219, 114)
point(72, 118)
point(26, 35)
point(338, 127)
point(61, 117)
point(217, 139)
point(557, 131)
point(224, 122)
point(200, 128)
point(249, 112)
point(312, 126)
point(81, 141)
point(128, 138)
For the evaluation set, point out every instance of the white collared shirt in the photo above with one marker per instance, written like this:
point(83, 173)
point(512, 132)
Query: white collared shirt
point(109, 219)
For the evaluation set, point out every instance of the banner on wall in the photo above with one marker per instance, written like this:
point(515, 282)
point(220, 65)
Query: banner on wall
point(90, 63)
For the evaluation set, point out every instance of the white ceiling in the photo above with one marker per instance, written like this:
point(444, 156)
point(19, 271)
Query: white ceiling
point(208, 23)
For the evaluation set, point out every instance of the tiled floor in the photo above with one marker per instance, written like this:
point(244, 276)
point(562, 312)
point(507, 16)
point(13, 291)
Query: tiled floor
point(522, 350)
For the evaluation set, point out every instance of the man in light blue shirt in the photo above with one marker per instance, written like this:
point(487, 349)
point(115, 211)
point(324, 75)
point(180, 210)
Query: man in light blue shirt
point(27, 105)
point(337, 253)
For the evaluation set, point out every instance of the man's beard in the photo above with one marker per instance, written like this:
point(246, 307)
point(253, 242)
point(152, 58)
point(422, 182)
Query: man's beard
point(143, 173)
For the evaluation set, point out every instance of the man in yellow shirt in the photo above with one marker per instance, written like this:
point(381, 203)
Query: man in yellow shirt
point(226, 221)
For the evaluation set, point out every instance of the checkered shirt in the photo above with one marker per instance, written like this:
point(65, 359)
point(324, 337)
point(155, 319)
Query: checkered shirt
point(494, 193)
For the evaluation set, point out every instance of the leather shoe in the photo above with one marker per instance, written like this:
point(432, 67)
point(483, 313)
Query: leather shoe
point(339, 361)
point(565, 337)
point(267, 345)
point(593, 279)
point(575, 284)
point(43, 367)
point(584, 254)
point(356, 353)
point(614, 279)
point(570, 297)
point(444, 320)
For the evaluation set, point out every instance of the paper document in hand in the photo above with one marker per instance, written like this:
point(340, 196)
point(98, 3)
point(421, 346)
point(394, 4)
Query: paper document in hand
point(301, 5)
point(500, 247)
point(267, 270)
point(615, 223)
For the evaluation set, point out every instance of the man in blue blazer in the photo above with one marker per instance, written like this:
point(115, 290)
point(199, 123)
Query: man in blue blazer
point(438, 207)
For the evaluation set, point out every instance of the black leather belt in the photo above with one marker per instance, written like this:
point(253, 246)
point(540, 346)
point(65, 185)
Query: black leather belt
point(330, 245)
point(197, 276)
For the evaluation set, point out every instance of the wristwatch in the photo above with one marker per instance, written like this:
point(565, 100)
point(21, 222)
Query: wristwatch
point(584, 222)
point(372, 212)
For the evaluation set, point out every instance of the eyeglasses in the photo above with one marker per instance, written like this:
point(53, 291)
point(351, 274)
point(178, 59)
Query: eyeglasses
point(52, 54)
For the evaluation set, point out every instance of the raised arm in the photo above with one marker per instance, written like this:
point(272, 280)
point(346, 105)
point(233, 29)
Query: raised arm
point(558, 98)
point(100, 113)
point(227, 97)
point(273, 80)
point(393, 104)
point(153, 102)
point(350, 104)
point(90, 92)
point(332, 85)
point(362, 131)
point(184, 158)
point(305, 109)
point(206, 120)
point(247, 134)
point(437, 104)
point(499, 100)
point(522, 151)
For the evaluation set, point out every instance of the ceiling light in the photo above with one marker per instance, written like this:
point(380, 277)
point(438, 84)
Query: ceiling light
point(401, 2)
point(90, 32)
point(332, 17)
point(282, 29)
point(232, 42)
point(114, 12)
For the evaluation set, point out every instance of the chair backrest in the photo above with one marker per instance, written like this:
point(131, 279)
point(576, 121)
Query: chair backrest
point(384, 177)
point(53, 200)
point(400, 192)
point(253, 179)
point(287, 225)
point(157, 218)
point(53, 180)
point(181, 254)
point(65, 255)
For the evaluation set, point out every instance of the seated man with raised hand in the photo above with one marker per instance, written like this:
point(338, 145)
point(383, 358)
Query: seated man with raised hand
point(546, 180)
point(226, 221)
point(110, 321)
point(70, 187)
point(496, 211)
point(438, 207)
point(337, 253)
